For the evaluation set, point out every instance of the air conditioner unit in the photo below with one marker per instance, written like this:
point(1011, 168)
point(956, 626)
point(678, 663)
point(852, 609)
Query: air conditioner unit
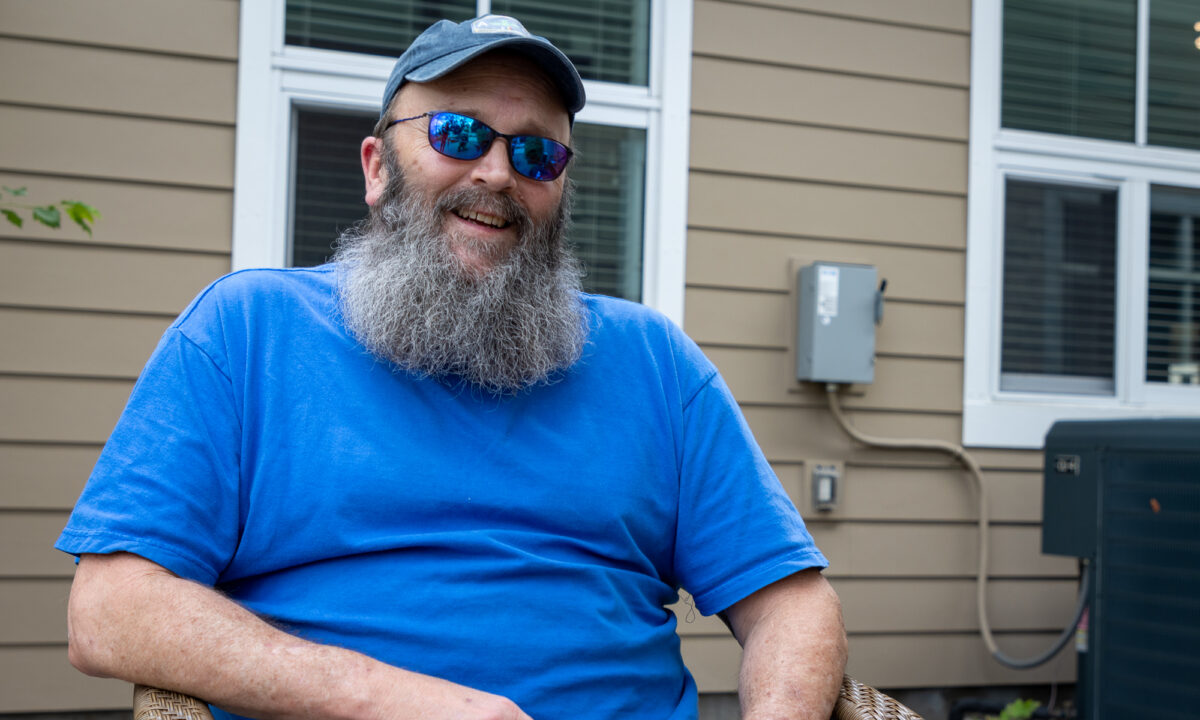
point(1126, 496)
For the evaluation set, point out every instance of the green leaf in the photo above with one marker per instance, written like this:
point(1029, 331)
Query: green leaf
point(15, 192)
point(1019, 710)
point(48, 215)
point(83, 210)
point(81, 213)
point(13, 218)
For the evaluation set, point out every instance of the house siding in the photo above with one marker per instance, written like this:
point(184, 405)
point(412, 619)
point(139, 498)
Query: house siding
point(821, 130)
point(837, 131)
point(127, 105)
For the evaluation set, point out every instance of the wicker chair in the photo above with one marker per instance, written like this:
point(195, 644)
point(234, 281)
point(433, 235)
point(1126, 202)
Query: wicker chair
point(855, 702)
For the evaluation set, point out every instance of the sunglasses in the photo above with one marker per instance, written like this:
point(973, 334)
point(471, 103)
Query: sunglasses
point(465, 138)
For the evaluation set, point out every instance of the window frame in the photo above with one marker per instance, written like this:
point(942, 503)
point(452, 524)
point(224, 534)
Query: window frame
point(1008, 419)
point(275, 79)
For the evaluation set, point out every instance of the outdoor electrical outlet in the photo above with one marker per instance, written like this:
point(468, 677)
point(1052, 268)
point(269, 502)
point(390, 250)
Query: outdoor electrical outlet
point(825, 479)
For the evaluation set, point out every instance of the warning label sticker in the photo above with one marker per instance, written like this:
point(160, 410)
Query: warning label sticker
point(827, 294)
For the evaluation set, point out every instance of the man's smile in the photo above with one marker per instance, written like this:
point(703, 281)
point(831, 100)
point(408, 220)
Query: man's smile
point(482, 218)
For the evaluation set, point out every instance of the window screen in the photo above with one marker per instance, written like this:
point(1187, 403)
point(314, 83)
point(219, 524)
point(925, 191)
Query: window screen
point(607, 40)
point(1069, 67)
point(609, 171)
point(1059, 315)
point(1173, 288)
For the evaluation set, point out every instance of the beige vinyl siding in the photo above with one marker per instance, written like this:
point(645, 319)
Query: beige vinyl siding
point(127, 105)
point(837, 130)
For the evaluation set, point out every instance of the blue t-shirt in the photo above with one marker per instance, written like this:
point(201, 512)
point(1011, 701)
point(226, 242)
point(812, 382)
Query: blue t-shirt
point(526, 546)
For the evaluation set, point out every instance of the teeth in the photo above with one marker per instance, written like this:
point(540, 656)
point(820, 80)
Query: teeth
point(484, 218)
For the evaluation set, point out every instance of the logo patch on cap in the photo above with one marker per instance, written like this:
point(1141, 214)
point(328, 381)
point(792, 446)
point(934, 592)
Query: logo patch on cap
point(499, 24)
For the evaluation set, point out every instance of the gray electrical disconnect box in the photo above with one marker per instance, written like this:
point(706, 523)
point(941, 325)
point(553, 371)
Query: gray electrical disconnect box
point(838, 306)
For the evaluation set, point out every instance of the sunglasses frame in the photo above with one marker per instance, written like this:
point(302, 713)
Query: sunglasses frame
point(493, 134)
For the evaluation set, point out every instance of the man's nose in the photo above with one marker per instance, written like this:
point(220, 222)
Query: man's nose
point(494, 170)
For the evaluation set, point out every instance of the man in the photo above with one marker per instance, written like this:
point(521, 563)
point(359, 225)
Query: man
point(432, 479)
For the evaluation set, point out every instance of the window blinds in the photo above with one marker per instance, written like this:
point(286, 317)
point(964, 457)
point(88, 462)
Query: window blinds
point(608, 40)
point(1059, 307)
point(327, 186)
point(609, 174)
point(1173, 287)
point(1173, 115)
point(1070, 67)
point(378, 27)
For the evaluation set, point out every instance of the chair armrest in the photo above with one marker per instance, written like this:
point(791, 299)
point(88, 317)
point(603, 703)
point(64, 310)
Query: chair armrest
point(155, 704)
point(863, 702)
point(856, 701)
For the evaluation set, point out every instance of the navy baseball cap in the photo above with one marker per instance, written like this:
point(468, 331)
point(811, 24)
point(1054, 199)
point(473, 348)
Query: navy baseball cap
point(446, 45)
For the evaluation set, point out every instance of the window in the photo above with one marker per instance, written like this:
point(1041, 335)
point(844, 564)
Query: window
point(1082, 296)
point(1059, 312)
point(1173, 296)
point(311, 73)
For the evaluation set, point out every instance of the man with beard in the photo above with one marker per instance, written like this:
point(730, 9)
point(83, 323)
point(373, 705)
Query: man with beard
point(432, 479)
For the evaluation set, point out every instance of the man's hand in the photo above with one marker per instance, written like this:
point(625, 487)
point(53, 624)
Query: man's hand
point(794, 649)
point(432, 699)
point(132, 619)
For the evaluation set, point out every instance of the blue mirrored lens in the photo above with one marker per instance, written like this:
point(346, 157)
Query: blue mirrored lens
point(465, 138)
point(459, 136)
point(538, 158)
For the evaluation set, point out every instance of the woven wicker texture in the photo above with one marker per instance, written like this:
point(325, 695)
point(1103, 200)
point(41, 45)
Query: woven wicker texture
point(855, 702)
point(863, 702)
point(154, 704)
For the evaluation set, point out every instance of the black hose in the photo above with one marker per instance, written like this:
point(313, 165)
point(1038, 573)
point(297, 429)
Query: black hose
point(1068, 631)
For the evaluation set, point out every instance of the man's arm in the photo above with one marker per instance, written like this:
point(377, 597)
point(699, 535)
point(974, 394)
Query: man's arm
point(793, 649)
point(132, 619)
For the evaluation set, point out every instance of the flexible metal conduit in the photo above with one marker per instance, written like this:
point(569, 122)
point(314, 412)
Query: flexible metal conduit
point(968, 462)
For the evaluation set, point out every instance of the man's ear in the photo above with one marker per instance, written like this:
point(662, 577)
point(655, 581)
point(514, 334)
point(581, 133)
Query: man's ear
point(374, 173)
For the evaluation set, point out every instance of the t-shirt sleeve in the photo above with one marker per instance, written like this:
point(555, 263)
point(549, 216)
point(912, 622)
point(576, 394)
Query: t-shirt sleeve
point(737, 531)
point(166, 484)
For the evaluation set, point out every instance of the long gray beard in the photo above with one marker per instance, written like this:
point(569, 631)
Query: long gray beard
point(410, 300)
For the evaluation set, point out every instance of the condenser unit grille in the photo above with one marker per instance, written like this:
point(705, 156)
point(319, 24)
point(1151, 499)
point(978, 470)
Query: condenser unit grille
point(1126, 495)
point(1148, 595)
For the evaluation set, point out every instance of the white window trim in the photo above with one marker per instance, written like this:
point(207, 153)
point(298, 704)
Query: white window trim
point(273, 79)
point(992, 418)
